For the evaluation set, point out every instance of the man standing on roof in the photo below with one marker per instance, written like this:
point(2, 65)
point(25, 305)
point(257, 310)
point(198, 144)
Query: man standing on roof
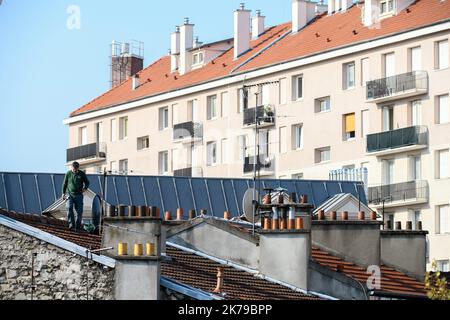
point(75, 184)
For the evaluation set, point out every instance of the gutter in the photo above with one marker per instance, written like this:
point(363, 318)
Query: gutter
point(396, 295)
point(255, 272)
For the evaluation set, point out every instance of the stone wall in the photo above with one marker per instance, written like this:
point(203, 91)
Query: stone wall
point(59, 274)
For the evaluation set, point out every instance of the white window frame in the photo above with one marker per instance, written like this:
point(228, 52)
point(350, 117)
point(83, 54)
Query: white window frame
point(298, 135)
point(415, 167)
point(198, 58)
point(143, 143)
point(320, 102)
point(415, 58)
point(296, 94)
point(442, 54)
point(348, 85)
point(211, 153)
point(443, 265)
point(443, 164)
point(123, 166)
point(123, 128)
point(389, 5)
point(211, 107)
point(163, 162)
point(443, 219)
point(443, 109)
point(163, 116)
point(83, 136)
point(320, 155)
point(113, 130)
point(365, 71)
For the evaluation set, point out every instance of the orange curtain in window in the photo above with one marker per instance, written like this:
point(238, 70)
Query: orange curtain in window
point(350, 123)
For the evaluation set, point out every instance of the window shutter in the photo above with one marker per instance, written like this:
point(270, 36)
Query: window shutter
point(350, 123)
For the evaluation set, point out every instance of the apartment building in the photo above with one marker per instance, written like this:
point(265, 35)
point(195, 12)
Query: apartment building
point(348, 90)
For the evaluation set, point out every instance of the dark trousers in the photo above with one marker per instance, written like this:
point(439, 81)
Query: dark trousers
point(75, 222)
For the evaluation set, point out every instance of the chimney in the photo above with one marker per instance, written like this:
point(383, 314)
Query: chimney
point(186, 43)
point(126, 61)
point(241, 31)
point(331, 9)
point(219, 286)
point(175, 49)
point(136, 82)
point(303, 12)
point(258, 25)
point(371, 12)
point(138, 273)
point(346, 4)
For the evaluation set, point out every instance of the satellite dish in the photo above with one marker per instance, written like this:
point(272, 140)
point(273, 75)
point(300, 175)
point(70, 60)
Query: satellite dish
point(247, 204)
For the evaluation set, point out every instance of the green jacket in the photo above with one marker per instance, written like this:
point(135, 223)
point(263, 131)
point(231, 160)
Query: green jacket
point(74, 183)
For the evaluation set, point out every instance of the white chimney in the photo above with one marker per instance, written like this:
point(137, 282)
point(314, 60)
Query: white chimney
point(241, 31)
point(135, 82)
point(258, 27)
point(174, 49)
point(186, 43)
point(331, 6)
point(371, 12)
point(321, 8)
point(346, 4)
point(303, 11)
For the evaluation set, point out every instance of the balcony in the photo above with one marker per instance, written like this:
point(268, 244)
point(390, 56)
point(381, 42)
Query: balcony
point(397, 87)
point(396, 141)
point(188, 132)
point(400, 194)
point(87, 154)
point(263, 114)
point(188, 172)
point(265, 165)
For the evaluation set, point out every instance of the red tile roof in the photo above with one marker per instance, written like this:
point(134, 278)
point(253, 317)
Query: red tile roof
point(57, 228)
point(201, 273)
point(391, 280)
point(323, 34)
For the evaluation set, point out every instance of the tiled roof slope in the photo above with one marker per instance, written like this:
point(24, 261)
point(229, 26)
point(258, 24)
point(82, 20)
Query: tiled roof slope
point(57, 228)
point(391, 280)
point(323, 34)
point(201, 273)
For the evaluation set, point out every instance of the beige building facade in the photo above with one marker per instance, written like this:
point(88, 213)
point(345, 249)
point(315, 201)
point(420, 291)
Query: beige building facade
point(378, 111)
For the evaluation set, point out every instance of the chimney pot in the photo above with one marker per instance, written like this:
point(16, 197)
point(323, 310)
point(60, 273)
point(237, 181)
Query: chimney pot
point(275, 223)
point(180, 214)
point(419, 225)
point(157, 213)
point(344, 215)
point(219, 286)
point(299, 223)
point(333, 215)
point(388, 225)
point(122, 249)
point(203, 212)
point(227, 215)
point(373, 216)
point(361, 215)
point(321, 215)
point(121, 211)
point(132, 211)
point(151, 249)
point(398, 225)
point(409, 225)
point(142, 211)
point(168, 216)
point(267, 224)
point(138, 250)
point(111, 212)
point(291, 224)
point(192, 214)
point(304, 199)
point(267, 199)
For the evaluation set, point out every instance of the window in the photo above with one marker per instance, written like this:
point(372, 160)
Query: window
point(225, 104)
point(350, 127)
point(163, 118)
point(389, 64)
point(443, 265)
point(365, 123)
point(123, 128)
point(415, 165)
point(243, 99)
point(83, 136)
point(197, 58)
point(349, 75)
point(443, 159)
point(123, 167)
point(193, 110)
point(211, 153)
point(265, 92)
point(416, 113)
point(386, 6)
point(297, 176)
point(443, 109)
point(365, 71)
point(297, 137)
point(283, 140)
point(99, 132)
point(323, 155)
point(322, 105)
point(283, 91)
point(113, 130)
point(264, 142)
point(442, 55)
point(242, 142)
point(163, 162)
point(388, 171)
point(415, 59)
point(388, 118)
point(297, 87)
point(143, 143)
point(443, 219)
point(212, 107)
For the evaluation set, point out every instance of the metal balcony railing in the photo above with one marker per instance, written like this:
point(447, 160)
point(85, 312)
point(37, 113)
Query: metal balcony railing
point(399, 192)
point(390, 86)
point(186, 172)
point(93, 150)
point(188, 129)
point(416, 135)
point(264, 114)
point(263, 162)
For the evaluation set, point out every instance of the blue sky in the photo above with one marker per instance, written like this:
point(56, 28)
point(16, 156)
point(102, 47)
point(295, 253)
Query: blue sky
point(48, 70)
